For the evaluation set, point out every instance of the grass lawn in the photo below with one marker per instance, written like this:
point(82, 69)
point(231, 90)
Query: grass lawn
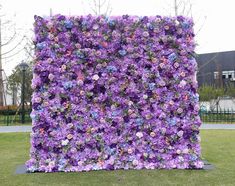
point(218, 148)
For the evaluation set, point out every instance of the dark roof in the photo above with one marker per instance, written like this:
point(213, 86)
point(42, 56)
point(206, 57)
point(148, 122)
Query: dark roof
point(208, 62)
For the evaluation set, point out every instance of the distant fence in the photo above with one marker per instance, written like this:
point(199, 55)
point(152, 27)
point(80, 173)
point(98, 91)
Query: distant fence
point(220, 116)
point(9, 115)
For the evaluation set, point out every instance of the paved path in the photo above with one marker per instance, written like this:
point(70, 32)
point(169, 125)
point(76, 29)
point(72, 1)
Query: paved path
point(5, 129)
point(218, 126)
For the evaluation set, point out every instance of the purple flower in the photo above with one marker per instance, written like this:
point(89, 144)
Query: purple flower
point(111, 93)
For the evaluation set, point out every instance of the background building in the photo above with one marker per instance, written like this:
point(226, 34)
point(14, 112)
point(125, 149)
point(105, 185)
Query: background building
point(216, 69)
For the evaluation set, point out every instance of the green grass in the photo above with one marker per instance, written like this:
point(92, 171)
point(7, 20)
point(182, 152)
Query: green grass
point(217, 146)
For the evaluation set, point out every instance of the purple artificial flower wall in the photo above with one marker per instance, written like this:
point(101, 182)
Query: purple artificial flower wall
point(114, 93)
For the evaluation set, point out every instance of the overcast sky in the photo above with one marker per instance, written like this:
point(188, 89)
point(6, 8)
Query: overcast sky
point(214, 20)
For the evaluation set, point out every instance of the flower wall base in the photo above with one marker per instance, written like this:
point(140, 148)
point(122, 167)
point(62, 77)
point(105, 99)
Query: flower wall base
point(114, 93)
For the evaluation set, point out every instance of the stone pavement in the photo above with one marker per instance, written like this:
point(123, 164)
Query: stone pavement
point(6, 129)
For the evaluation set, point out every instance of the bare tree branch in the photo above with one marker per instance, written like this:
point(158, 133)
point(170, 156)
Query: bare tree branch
point(14, 47)
point(6, 57)
point(10, 40)
point(98, 5)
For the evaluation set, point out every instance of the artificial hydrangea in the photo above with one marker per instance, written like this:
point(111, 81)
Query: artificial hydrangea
point(114, 93)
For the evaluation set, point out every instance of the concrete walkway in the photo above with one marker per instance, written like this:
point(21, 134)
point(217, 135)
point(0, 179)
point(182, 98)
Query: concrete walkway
point(218, 126)
point(6, 129)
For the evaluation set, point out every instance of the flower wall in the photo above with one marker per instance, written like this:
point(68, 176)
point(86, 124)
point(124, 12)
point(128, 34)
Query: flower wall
point(114, 93)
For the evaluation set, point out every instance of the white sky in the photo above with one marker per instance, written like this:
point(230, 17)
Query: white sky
point(215, 18)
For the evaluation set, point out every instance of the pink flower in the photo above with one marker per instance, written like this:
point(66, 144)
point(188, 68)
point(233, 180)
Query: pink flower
point(129, 151)
point(145, 34)
point(176, 65)
point(69, 136)
point(152, 134)
point(182, 74)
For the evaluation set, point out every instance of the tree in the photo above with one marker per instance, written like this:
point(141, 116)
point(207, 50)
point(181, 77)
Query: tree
point(15, 83)
point(208, 93)
point(5, 42)
point(99, 7)
point(212, 95)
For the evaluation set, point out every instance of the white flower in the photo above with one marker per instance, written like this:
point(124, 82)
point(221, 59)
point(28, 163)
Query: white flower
point(139, 134)
point(178, 151)
point(111, 161)
point(154, 60)
point(166, 27)
point(198, 138)
point(177, 22)
point(185, 151)
point(130, 103)
point(163, 130)
point(95, 26)
point(145, 34)
point(181, 159)
point(63, 67)
point(70, 125)
point(145, 154)
point(135, 162)
point(129, 151)
point(78, 45)
point(171, 102)
point(162, 83)
point(179, 110)
point(65, 142)
point(95, 77)
point(51, 77)
point(180, 133)
point(152, 134)
point(145, 96)
point(161, 65)
point(80, 82)
point(158, 19)
point(182, 83)
point(51, 164)
point(69, 136)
